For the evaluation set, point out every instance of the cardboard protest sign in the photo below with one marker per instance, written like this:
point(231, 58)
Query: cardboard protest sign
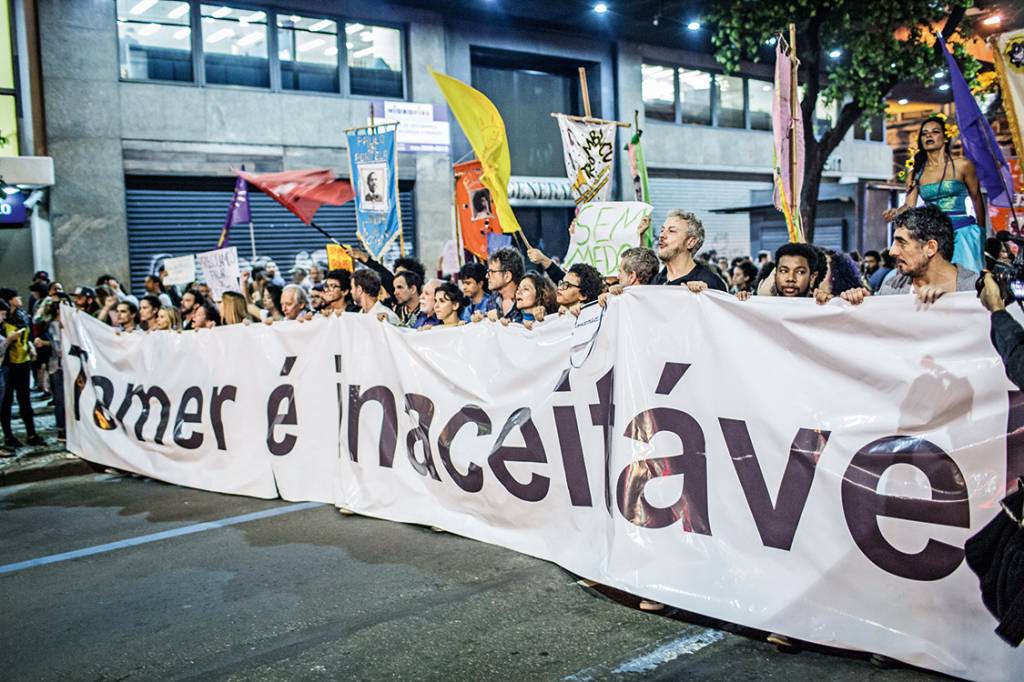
point(338, 258)
point(180, 270)
point(220, 270)
point(603, 231)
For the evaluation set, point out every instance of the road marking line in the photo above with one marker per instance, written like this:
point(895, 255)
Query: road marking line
point(156, 537)
point(687, 644)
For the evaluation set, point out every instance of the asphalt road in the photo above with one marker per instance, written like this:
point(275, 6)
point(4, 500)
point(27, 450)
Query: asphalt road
point(302, 592)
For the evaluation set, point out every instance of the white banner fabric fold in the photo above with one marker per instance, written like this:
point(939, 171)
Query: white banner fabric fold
point(808, 470)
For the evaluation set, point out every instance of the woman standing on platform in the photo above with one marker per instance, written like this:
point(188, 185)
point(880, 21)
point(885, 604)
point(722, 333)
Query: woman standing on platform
point(945, 182)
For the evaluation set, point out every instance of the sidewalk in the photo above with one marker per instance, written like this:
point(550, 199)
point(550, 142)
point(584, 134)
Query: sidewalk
point(39, 463)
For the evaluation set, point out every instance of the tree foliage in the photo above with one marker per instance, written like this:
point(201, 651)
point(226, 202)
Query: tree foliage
point(881, 44)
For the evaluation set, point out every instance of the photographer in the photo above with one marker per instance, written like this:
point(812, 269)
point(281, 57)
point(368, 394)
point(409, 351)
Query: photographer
point(1007, 334)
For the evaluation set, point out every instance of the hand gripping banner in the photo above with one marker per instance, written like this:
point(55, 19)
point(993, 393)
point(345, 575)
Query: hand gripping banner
point(812, 471)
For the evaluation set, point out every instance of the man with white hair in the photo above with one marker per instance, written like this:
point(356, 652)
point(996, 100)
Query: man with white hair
point(682, 235)
point(294, 302)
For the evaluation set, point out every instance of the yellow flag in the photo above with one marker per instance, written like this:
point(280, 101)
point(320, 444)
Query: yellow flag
point(485, 131)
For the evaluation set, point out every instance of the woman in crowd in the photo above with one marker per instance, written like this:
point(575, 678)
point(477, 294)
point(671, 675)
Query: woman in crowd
point(50, 340)
point(148, 307)
point(205, 316)
point(448, 304)
point(168, 318)
point(535, 298)
point(840, 274)
point(743, 277)
point(232, 309)
point(271, 311)
point(946, 182)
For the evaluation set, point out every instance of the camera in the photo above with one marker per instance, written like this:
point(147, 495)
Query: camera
point(1009, 276)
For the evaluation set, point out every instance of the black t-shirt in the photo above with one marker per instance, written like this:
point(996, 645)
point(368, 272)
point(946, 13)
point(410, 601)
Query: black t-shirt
point(699, 274)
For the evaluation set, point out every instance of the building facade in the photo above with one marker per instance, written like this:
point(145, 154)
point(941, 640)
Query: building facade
point(149, 106)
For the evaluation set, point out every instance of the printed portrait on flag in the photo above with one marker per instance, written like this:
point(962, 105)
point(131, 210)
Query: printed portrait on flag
point(373, 179)
point(480, 202)
point(373, 162)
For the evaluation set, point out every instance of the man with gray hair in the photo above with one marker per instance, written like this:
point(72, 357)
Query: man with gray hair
point(637, 265)
point(682, 235)
point(294, 301)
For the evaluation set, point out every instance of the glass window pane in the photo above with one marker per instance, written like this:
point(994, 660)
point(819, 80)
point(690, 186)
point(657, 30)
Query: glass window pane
point(235, 46)
point(761, 93)
point(8, 126)
point(154, 40)
point(695, 97)
point(659, 92)
point(374, 60)
point(870, 129)
point(308, 52)
point(730, 101)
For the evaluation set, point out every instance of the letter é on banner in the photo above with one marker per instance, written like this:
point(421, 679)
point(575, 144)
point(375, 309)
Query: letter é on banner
point(776, 523)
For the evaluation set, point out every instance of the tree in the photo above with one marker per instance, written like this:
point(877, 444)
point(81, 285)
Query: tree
point(880, 44)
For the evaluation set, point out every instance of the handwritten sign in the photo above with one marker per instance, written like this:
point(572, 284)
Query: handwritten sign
point(604, 230)
point(181, 270)
point(220, 270)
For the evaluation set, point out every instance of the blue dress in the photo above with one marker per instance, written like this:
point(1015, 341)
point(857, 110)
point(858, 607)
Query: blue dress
point(951, 197)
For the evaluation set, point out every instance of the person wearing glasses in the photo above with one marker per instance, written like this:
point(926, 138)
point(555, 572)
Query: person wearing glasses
point(335, 297)
point(505, 269)
point(581, 284)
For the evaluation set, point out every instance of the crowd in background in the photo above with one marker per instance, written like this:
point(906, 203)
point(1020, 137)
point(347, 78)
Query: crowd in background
point(508, 288)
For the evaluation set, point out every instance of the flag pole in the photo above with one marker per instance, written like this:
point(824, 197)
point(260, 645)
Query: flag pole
point(794, 75)
point(252, 237)
point(323, 232)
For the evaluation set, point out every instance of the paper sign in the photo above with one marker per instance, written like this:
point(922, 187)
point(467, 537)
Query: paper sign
point(180, 270)
point(450, 258)
point(220, 270)
point(604, 230)
point(338, 258)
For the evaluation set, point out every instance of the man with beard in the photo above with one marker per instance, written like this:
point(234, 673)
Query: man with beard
point(922, 246)
point(682, 235)
point(794, 274)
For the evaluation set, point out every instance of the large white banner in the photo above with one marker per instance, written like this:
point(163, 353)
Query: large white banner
point(807, 470)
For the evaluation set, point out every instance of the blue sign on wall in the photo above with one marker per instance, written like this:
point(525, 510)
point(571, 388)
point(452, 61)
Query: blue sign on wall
point(12, 209)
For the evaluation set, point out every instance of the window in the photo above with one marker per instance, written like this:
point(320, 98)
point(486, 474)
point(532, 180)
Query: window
point(730, 101)
point(307, 50)
point(659, 91)
point(374, 60)
point(870, 129)
point(154, 40)
point(695, 97)
point(760, 94)
point(235, 46)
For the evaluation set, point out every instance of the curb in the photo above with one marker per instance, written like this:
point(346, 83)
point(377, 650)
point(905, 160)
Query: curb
point(43, 472)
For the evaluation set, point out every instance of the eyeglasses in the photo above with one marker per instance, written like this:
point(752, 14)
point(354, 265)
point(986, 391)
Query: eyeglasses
point(332, 287)
point(564, 284)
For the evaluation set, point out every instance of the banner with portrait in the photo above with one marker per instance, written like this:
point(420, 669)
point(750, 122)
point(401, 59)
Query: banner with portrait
point(475, 208)
point(373, 159)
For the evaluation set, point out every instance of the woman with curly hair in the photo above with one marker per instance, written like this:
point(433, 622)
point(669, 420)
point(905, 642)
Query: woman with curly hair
point(535, 298)
point(945, 182)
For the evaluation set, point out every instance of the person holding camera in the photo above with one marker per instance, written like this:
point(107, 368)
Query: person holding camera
point(1007, 334)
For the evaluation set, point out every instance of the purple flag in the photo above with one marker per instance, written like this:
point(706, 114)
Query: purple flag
point(978, 140)
point(238, 212)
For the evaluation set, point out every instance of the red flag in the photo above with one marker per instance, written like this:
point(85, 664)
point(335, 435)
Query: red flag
point(303, 192)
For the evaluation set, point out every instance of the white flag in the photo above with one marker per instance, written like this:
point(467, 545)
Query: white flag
point(1009, 58)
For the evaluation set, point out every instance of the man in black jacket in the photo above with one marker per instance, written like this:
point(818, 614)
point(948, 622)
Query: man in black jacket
point(1007, 334)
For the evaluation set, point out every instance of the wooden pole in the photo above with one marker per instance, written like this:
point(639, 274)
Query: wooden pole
point(584, 93)
point(793, 132)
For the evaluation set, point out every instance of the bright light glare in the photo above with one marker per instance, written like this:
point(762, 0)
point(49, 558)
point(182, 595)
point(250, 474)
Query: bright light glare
point(600, 8)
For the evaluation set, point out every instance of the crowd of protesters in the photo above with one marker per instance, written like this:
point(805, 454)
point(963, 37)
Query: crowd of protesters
point(508, 289)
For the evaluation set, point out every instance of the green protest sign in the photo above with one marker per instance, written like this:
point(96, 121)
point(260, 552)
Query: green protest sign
point(605, 229)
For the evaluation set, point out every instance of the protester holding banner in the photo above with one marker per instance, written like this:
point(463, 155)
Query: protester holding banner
point(581, 284)
point(366, 289)
point(190, 301)
point(294, 302)
point(505, 269)
point(427, 316)
point(743, 277)
point(168, 318)
point(205, 316)
point(473, 282)
point(408, 287)
point(795, 273)
point(148, 307)
point(922, 244)
point(271, 309)
point(682, 235)
point(448, 305)
point(233, 309)
point(126, 317)
point(535, 298)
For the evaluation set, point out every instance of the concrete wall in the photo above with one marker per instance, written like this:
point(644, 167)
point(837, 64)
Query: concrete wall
point(101, 129)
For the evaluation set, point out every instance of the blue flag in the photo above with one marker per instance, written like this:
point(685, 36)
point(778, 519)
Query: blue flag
point(978, 140)
point(238, 212)
point(372, 155)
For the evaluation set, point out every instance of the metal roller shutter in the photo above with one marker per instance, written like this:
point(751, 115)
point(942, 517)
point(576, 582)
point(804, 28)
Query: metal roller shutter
point(728, 234)
point(176, 222)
